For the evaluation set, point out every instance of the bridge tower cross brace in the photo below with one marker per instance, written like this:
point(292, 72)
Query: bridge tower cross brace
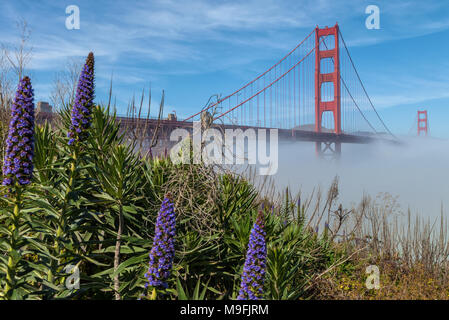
point(333, 106)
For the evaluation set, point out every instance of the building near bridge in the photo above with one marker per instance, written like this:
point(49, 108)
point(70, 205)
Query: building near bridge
point(43, 106)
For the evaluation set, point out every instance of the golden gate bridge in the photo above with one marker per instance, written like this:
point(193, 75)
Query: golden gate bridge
point(314, 93)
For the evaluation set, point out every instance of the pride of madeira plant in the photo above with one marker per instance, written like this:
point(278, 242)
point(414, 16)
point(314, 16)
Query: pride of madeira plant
point(17, 172)
point(82, 108)
point(163, 251)
point(81, 119)
point(253, 277)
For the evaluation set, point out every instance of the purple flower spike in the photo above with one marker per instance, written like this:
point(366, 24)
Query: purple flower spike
point(18, 161)
point(253, 277)
point(82, 107)
point(163, 251)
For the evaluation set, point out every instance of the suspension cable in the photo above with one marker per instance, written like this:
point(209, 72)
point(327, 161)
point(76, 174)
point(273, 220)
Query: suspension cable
point(251, 82)
point(269, 85)
point(363, 87)
point(347, 89)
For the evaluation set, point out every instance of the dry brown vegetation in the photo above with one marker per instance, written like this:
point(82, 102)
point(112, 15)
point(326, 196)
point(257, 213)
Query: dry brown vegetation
point(411, 252)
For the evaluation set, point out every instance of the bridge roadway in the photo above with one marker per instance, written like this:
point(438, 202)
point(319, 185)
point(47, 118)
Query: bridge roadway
point(285, 134)
point(166, 126)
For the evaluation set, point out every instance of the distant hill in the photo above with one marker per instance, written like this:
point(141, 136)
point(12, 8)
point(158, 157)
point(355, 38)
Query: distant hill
point(311, 127)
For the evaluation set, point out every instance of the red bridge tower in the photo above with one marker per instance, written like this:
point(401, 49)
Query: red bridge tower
point(334, 106)
point(423, 123)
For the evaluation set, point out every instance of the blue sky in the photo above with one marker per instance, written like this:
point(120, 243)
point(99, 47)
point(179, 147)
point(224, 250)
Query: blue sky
point(197, 48)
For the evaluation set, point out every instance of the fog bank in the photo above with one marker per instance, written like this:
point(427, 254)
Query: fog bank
point(416, 172)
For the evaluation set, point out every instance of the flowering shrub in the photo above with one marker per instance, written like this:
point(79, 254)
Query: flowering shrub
point(82, 108)
point(18, 165)
point(163, 250)
point(17, 172)
point(253, 276)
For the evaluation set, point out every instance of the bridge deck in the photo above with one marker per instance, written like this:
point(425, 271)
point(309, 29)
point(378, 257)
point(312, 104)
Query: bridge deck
point(167, 126)
point(290, 134)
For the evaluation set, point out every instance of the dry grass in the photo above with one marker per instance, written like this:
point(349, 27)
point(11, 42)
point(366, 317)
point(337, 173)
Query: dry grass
point(411, 253)
point(397, 282)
